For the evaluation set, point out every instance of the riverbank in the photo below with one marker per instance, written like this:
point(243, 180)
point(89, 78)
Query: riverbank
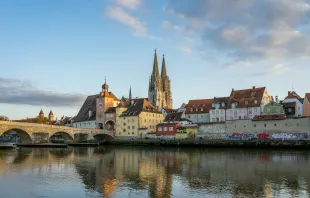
point(289, 144)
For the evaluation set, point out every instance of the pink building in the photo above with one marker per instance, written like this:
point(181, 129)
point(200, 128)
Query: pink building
point(247, 103)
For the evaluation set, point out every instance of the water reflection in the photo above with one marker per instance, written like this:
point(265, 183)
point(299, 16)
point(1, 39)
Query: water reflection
point(154, 172)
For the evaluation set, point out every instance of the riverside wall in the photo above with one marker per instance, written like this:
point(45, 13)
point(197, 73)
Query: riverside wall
point(289, 129)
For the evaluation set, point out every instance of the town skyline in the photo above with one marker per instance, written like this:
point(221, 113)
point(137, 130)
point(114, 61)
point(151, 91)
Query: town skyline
point(58, 54)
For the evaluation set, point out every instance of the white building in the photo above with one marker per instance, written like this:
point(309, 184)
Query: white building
point(218, 111)
point(197, 111)
point(292, 97)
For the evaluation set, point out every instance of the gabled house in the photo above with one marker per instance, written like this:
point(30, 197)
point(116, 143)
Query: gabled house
point(246, 103)
point(218, 110)
point(306, 105)
point(198, 110)
point(291, 98)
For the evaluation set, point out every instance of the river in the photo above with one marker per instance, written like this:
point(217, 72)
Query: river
point(153, 172)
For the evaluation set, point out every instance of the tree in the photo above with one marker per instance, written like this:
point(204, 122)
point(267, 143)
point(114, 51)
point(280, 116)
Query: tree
point(3, 118)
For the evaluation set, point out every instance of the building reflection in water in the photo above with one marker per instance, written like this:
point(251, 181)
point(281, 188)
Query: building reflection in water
point(170, 172)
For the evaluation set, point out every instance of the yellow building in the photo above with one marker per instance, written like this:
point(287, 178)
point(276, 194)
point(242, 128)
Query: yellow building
point(186, 132)
point(139, 114)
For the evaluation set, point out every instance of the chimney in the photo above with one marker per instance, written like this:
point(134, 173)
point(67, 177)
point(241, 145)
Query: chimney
point(277, 100)
point(253, 88)
point(89, 113)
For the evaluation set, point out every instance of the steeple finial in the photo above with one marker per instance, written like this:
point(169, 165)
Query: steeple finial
point(130, 97)
point(163, 68)
point(155, 65)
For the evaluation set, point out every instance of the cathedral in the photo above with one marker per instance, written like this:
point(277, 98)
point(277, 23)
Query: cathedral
point(159, 86)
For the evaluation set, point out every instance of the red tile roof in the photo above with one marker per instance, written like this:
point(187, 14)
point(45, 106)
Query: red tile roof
point(246, 97)
point(199, 106)
point(220, 100)
point(269, 117)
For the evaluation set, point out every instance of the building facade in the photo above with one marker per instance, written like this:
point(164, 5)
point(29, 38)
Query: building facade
point(159, 93)
point(197, 111)
point(247, 103)
point(140, 114)
point(306, 105)
point(291, 98)
point(98, 111)
point(218, 110)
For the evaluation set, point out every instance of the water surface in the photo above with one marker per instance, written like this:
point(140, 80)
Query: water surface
point(153, 172)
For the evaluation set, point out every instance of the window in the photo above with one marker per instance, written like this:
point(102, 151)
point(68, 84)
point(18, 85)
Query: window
point(144, 120)
point(289, 110)
point(128, 133)
point(201, 116)
point(191, 109)
point(254, 125)
point(165, 129)
point(160, 128)
point(250, 111)
point(255, 101)
point(231, 111)
point(128, 127)
point(132, 133)
point(297, 124)
point(217, 112)
point(244, 126)
point(213, 119)
point(133, 120)
point(246, 102)
point(275, 125)
point(189, 116)
point(201, 109)
point(245, 117)
point(124, 124)
point(223, 104)
point(124, 130)
point(239, 117)
point(233, 105)
point(196, 109)
point(255, 110)
point(265, 125)
point(231, 118)
point(119, 133)
point(133, 127)
point(170, 128)
point(235, 126)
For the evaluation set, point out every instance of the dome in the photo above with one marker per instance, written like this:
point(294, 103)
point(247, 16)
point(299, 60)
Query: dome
point(105, 86)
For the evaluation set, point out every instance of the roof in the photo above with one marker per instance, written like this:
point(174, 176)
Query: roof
point(199, 106)
point(51, 113)
point(41, 112)
point(269, 117)
point(139, 105)
point(247, 97)
point(111, 110)
point(293, 94)
point(89, 105)
point(170, 110)
point(175, 117)
point(167, 124)
point(109, 95)
point(220, 100)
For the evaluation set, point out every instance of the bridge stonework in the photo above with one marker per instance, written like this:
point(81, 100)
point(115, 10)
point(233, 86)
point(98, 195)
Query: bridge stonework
point(30, 129)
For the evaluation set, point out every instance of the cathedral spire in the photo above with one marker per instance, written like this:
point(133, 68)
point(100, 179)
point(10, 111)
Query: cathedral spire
point(155, 66)
point(163, 68)
point(130, 97)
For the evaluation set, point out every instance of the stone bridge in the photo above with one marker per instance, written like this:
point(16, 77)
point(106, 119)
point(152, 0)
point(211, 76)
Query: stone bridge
point(30, 132)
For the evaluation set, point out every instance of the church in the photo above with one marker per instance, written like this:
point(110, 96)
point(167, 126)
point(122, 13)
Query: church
point(159, 86)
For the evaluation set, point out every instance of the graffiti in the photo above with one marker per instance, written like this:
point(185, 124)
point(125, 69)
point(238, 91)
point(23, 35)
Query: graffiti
point(289, 136)
point(263, 136)
point(241, 136)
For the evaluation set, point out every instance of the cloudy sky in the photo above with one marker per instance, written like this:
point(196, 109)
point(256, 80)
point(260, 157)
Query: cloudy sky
point(54, 53)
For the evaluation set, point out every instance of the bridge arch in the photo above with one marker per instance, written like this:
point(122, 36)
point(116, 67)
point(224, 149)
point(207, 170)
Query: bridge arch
point(102, 137)
point(63, 134)
point(24, 136)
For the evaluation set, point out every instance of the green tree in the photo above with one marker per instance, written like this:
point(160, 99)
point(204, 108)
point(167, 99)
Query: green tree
point(3, 118)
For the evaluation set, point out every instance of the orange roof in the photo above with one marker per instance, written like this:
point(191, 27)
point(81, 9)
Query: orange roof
point(41, 112)
point(199, 106)
point(109, 95)
point(246, 97)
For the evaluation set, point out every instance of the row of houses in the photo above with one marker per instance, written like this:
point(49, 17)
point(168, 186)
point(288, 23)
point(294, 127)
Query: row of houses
point(137, 117)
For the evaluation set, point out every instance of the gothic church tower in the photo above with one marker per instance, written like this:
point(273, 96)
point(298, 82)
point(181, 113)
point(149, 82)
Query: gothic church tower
point(159, 86)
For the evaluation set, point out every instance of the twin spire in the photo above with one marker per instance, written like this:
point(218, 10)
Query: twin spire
point(155, 67)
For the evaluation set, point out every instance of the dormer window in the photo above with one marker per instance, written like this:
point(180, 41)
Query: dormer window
point(213, 105)
point(196, 109)
point(191, 109)
point(217, 106)
point(255, 101)
point(201, 109)
point(246, 102)
point(233, 105)
point(223, 104)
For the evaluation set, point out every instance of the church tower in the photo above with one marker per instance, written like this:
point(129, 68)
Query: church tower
point(51, 116)
point(159, 86)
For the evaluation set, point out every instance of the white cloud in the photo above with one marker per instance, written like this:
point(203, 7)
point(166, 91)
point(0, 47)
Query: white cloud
point(274, 70)
point(119, 14)
point(246, 30)
point(130, 4)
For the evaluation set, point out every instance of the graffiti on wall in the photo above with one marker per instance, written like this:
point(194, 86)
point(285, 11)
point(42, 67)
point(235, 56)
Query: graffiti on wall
point(265, 136)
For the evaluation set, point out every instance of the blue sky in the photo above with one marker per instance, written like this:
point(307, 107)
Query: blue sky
point(54, 53)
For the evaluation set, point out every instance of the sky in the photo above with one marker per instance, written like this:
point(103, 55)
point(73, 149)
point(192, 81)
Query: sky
point(55, 53)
